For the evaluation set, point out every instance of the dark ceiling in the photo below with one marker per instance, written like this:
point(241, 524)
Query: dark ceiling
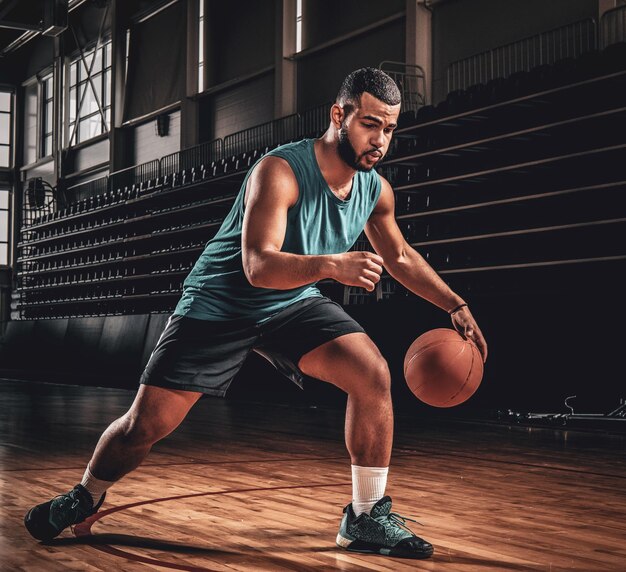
point(28, 12)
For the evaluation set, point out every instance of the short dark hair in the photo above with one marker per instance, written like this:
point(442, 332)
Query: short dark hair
point(372, 81)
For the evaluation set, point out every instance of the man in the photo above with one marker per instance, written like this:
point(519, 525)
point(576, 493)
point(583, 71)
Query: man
point(299, 211)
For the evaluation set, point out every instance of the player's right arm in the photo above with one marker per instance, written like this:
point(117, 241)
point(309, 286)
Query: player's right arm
point(271, 191)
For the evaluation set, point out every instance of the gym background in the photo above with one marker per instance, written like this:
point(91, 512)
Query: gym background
point(126, 128)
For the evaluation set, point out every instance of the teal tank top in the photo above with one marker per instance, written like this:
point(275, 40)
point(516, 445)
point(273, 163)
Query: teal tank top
point(318, 223)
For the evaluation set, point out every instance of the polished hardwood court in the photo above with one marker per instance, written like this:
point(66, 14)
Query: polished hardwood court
point(249, 486)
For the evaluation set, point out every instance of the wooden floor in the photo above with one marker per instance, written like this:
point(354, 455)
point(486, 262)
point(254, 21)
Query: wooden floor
point(256, 487)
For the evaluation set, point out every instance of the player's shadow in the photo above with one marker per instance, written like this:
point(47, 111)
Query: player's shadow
point(108, 539)
point(227, 557)
point(138, 542)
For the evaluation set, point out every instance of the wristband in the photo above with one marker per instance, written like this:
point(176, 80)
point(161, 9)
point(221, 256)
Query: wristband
point(454, 310)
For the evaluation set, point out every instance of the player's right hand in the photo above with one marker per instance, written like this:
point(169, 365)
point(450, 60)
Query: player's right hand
point(358, 268)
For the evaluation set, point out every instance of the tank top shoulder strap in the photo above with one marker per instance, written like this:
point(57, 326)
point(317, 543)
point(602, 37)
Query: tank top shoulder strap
point(300, 157)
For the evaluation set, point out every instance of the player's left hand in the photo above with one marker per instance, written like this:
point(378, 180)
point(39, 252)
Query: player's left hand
point(464, 323)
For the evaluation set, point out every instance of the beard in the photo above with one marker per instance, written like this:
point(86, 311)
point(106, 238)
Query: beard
point(349, 155)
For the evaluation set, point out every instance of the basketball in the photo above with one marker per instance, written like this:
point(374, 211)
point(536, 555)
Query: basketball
point(442, 369)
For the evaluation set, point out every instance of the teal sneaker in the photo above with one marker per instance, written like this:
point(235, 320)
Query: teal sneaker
point(380, 532)
point(47, 520)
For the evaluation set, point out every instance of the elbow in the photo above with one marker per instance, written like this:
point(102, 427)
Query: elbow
point(253, 275)
point(256, 279)
point(253, 268)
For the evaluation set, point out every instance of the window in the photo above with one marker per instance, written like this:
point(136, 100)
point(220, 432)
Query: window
point(201, 47)
point(47, 114)
point(4, 227)
point(6, 101)
point(298, 26)
point(86, 106)
point(127, 46)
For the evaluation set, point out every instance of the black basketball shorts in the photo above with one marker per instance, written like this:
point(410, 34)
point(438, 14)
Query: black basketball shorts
point(205, 356)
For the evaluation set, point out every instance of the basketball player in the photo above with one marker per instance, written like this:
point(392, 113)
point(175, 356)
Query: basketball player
point(300, 209)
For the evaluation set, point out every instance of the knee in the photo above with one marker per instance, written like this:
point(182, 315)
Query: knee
point(376, 378)
point(140, 431)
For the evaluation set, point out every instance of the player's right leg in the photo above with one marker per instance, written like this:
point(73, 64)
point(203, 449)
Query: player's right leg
point(192, 357)
point(154, 414)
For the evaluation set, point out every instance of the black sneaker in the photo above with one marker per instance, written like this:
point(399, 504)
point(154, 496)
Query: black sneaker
point(47, 520)
point(380, 532)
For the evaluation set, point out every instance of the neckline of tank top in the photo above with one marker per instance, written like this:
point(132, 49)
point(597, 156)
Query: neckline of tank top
point(339, 202)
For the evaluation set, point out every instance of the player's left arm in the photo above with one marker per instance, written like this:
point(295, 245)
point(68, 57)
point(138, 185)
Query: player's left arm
point(409, 268)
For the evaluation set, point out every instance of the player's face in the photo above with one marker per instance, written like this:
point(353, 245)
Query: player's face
point(365, 134)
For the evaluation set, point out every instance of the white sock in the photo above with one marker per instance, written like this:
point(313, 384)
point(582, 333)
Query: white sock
point(368, 487)
point(95, 487)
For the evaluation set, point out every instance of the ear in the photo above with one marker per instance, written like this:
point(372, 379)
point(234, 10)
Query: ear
point(337, 115)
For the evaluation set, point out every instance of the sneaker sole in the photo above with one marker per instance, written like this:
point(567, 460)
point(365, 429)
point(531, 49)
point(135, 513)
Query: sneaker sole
point(343, 542)
point(364, 548)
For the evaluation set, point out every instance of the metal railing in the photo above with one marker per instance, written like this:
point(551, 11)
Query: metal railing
point(313, 122)
point(203, 154)
point(310, 123)
point(88, 189)
point(571, 40)
point(613, 26)
point(134, 175)
point(411, 81)
point(286, 129)
point(169, 164)
point(256, 137)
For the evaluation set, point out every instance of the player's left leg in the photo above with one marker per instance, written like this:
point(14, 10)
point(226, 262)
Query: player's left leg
point(318, 338)
point(353, 363)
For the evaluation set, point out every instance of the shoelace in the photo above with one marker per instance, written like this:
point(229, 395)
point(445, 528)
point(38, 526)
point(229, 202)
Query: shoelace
point(400, 521)
point(75, 502)
point(73, 496)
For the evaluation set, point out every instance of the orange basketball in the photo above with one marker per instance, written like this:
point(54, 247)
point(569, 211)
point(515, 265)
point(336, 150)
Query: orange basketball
point(442, 369)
